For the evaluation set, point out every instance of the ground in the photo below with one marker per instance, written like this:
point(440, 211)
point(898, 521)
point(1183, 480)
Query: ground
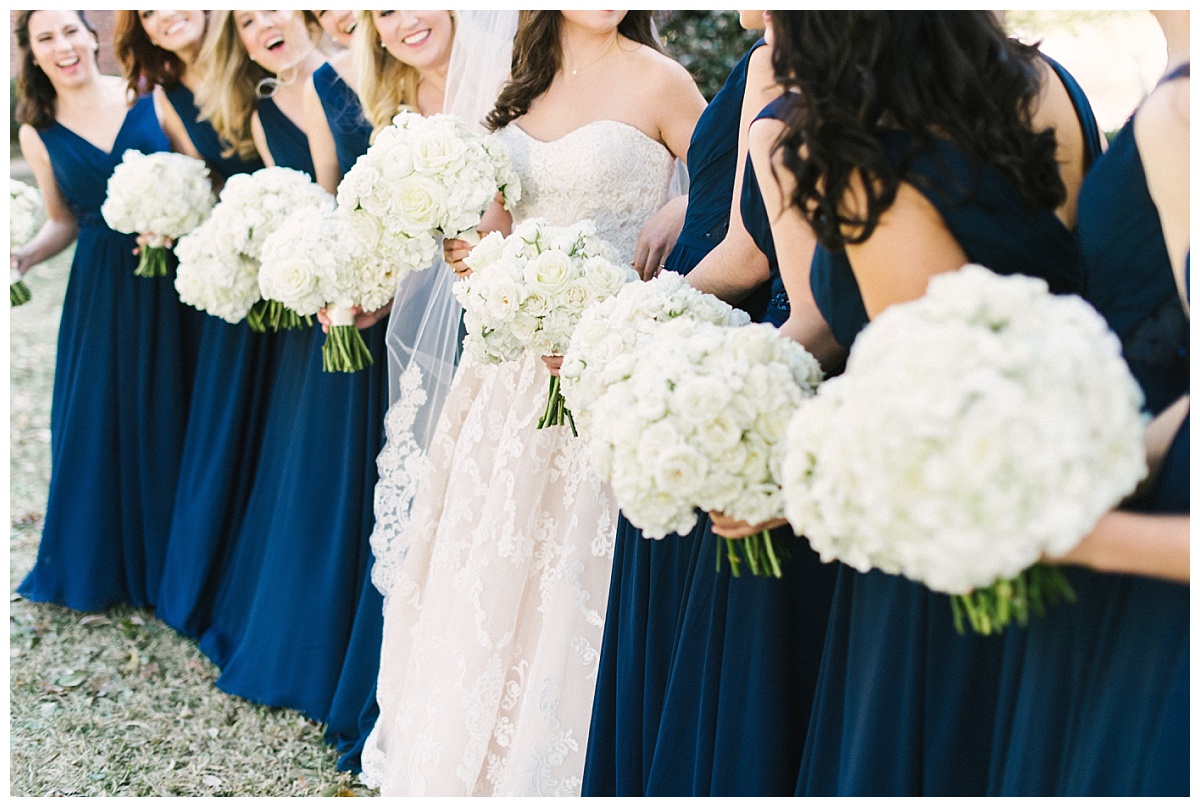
point(116, 703)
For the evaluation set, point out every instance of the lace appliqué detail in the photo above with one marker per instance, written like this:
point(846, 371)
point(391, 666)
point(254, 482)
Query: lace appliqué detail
point(402, 465)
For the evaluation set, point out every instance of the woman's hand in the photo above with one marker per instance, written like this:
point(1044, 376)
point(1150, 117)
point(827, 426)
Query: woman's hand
point(454, 252)
point(727, 527)
point(658, 237)
point(152, 240)
point(19, 262)
point(553, 364)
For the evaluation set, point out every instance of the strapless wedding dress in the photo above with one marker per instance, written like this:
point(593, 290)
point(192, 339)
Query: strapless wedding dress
point(495, 551)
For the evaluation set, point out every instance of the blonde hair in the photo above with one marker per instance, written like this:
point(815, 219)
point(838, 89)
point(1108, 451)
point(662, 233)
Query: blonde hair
point(230, 90)
point(229, 93)
point(386, 85)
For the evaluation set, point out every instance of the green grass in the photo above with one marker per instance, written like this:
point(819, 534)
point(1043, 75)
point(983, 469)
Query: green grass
point(116, 703)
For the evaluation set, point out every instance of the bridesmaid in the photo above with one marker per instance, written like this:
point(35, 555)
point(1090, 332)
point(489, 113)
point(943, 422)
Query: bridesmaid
point(258, 62)
point(903, 704)
point(119, 402)
point(652, 580)
point(719, 667)
point(1097, 694)
point(338, 134)
point(160, 49)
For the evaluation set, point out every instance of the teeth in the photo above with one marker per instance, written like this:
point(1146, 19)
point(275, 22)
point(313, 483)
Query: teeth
point(176, 27)
point(350, 30)
point(68, 62)
point(274, 43)
point(418, 37)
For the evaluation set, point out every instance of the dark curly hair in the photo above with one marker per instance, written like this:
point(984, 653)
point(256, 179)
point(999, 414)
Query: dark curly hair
point(537, 56)
point(947, 74)
point(36, 96)
point(145, 64)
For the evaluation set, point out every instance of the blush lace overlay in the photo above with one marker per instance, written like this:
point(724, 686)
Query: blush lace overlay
point(495, 551)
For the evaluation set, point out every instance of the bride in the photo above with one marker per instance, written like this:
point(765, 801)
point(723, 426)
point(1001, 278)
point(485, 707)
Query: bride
point(493, 622)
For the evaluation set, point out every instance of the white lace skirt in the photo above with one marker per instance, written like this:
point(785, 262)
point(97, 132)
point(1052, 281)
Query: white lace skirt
point(493, 624)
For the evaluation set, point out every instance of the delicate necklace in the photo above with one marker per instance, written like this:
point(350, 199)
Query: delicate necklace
point(612, 44)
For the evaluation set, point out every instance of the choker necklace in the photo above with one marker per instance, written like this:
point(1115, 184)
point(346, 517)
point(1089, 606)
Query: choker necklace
point(575, 72)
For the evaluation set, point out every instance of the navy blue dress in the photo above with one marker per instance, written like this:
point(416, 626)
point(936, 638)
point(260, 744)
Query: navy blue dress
point(1095, 696)
point(746, 658)
point(904, 704)
point(344, 112)
point(650, 578)
point(120, 396)
point(224, 431)
point(309, 638)
point(353, 711)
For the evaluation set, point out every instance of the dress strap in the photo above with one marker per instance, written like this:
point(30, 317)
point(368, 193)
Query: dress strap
point(1083, 111)
point(1182, 71)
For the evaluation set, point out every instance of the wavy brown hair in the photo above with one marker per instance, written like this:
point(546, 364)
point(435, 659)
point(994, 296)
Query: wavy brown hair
point(952, 75)
point(537, 57)
point(145, 64)
point(36, 96)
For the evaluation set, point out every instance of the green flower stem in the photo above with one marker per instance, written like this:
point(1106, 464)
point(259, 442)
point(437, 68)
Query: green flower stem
point(759, 553)
point(990, 610)
point(344, 350)
point(152, 263)
point(19, 294)
point(256, 316)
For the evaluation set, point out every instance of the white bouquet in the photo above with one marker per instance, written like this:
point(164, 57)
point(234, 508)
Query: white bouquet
point(219, 261)
point(26, 215)
point(424, 178)
point(699, 423)
point(527, 292)
point(601, 349)
point(974, 430)
point(162, 195)
point(310, 262)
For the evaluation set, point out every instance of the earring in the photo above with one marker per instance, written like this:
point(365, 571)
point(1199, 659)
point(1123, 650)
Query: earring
point(252, 58)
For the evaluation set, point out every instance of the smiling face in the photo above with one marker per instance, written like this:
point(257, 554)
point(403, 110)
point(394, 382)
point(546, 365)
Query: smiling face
point(63, 48)
point(176, 31)
point(276, 40)
point(338, 24)
point(418, 38)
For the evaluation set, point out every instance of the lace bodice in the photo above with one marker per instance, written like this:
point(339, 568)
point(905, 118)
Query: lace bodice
point(607, 171)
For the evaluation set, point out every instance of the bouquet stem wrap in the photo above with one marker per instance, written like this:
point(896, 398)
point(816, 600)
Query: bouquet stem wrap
point(344, 350)
point(18, 292)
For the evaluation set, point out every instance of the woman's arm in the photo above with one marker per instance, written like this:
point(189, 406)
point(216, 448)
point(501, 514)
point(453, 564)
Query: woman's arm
point(320, 140)
point(260, 139)
point(172, 124)
point(1163, 131)
point(60, 228)
point(736, 266)
point(795, 244)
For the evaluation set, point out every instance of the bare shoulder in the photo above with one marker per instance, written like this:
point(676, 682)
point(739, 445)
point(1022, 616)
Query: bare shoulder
point(1163, 118)
point(662, 72)
point(32, 147)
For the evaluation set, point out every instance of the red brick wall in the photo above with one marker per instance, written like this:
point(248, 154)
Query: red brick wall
point(102, 21)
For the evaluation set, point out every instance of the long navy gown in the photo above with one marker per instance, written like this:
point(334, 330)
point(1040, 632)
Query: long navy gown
point(650, 578)
point(904, 704)
point(364, 396)
point(1095, 696)
point(745, 665)
point(299, 623)
point(120, 397)
point(224, 431)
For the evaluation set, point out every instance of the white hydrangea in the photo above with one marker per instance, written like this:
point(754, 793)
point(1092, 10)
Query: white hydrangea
point(698, 422)
point(974, 429)
point(601, 349)
point(26, 214)
point(219, 261)
point(163, 194)
point(304, 263)
point(423, 178)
